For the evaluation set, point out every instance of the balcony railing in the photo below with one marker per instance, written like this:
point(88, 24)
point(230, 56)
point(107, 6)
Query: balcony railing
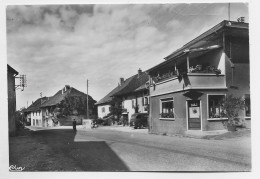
point(189, 81)
point(183, 72)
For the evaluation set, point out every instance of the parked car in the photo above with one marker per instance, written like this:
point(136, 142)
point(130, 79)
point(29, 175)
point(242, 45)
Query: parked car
point(139, 120)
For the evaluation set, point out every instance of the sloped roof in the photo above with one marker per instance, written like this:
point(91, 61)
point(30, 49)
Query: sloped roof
point(11, 70)
point(108, 97)
point(209, 38)
point(213, 31)
point(142, 87)
point(59, 96)
point(35, 106)
point(136, 82)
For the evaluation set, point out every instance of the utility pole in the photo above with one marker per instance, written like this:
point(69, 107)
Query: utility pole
point(228, 11)
point(87, 100)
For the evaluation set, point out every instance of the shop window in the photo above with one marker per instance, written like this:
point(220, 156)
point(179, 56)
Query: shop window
point(214, 106)
point(167, 108)
point(247, 105)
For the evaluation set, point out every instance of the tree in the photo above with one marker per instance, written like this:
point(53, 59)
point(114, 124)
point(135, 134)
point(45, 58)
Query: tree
point(116, 107)
point(232, 106)
point(75, 105)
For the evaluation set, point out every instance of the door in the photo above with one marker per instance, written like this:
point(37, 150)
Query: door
point(194, 116)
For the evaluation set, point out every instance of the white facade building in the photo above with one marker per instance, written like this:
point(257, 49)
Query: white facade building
point(103, 110)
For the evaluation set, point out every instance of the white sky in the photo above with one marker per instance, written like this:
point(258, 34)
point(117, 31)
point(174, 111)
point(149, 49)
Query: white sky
point(57, 45)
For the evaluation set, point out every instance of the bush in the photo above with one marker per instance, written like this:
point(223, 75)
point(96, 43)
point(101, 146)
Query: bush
point(232, 106)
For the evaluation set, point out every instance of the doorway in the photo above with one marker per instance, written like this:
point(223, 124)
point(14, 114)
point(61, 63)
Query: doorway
point(194, 115)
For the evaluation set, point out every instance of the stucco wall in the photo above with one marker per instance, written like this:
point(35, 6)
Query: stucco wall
point(36, 117)
point(127, 104)
point(178, 125)
point(11, 103)
point(102, 114)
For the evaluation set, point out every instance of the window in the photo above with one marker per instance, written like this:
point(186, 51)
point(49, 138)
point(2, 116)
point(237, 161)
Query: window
point(103, 109)
point(214, 106)
point(167, 108)
point(133, 103)
point(247, 105)
point(146, 100)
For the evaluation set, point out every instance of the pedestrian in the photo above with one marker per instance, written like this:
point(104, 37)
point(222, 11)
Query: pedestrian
point(74, 124)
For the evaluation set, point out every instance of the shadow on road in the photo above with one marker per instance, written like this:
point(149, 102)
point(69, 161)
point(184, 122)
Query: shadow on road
point(55, 150)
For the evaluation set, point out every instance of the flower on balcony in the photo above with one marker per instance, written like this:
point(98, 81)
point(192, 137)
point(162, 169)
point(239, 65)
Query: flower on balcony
point(208, 69)
point(167, 115)
point(164, 76)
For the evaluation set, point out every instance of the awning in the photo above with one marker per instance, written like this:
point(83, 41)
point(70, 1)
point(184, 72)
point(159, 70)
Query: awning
point(193, 94)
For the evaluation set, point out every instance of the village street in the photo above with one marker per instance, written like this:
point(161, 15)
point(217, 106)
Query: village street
point(109, 150)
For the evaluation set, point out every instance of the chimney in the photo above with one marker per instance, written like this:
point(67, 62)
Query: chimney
point(67, 87)
point(139, 72)
point(121, 81)
point(241, 19)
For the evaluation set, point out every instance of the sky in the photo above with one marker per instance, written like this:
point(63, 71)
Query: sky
point(58, 45)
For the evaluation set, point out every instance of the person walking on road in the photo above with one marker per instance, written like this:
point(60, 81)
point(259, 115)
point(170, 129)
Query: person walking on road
point(74, 124)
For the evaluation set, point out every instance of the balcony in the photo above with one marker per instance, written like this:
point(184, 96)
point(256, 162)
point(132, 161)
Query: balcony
point(192, 80)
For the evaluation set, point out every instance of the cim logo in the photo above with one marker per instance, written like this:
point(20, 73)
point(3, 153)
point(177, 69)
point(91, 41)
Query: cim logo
point(15, 168)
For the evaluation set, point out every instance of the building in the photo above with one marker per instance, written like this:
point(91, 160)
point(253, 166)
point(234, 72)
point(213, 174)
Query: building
point(135, 96)
point(11, 74)
point(33, 113)
point(49, 111)
point(186, 89)
point(131, 93)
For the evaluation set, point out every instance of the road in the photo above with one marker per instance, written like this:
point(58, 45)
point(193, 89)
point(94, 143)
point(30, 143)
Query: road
point(107, 150)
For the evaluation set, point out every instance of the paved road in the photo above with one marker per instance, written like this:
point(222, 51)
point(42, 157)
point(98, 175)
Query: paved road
point(106, 150)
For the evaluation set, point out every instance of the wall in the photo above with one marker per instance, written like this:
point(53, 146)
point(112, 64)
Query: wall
point(103, 114)
point(213, 58)
point(127, 104)
point(36, 117)
point(238, 83)
point(11, 103)
point(176, 126)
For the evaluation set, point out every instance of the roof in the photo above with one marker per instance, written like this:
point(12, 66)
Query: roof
point(130, 85)
point(35, 106)
point(108, 97)
point(209, 38)
point(217, 28)
point(136, 82)
point(10, 69)
point(59, 96)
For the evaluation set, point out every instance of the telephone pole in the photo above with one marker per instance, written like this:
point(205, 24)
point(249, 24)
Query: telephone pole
point(87, 100)
point(228, 11)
